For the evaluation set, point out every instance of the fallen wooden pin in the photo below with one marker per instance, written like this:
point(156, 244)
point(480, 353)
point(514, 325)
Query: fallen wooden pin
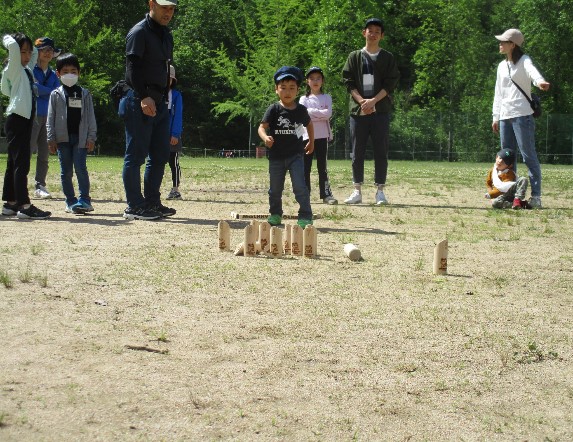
point(236, 215)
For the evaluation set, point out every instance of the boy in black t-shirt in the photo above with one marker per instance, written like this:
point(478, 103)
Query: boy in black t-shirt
point(285, 120)
point(71, 128)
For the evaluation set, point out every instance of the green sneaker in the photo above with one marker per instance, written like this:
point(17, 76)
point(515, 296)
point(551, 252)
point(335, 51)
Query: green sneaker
point(304, 222)
point(274, 220)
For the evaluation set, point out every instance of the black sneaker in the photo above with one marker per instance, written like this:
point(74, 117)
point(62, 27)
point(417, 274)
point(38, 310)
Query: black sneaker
point(9, 209)
point(33, 212)
point(165, 211)
point(141, 213)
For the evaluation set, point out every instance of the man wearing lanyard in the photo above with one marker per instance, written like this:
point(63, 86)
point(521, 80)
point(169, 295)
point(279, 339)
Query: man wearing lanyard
point(149, 51)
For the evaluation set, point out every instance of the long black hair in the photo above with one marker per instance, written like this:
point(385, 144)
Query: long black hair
point(516, 54)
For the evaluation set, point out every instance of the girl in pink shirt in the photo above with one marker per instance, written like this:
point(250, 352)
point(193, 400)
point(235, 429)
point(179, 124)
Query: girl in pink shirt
point(319, 106)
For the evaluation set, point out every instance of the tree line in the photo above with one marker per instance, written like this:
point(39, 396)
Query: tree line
point(227, 50)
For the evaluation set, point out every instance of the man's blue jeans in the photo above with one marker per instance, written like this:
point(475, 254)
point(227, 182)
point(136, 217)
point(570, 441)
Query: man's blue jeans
point(146, 138)
point(520, 132)
point(277, 174)
point(72, 157)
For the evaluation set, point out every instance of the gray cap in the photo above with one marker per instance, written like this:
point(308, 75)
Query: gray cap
point(512, 35)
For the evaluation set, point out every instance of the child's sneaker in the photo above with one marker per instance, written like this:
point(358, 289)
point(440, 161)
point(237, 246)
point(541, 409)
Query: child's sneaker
point(174, 195)
point(381, 198)
point(86, 206)
point(42, 192)
point(9, 209)
point(75, 208)
point(354, 198)
point(517, 204)
point(274, 220)
point(304, 222)
point(33, 212)
point(330, 200)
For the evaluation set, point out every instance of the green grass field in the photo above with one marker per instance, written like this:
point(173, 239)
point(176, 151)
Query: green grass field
point(118, 330)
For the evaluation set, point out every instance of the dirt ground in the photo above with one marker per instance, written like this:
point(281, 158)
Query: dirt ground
point(119, 330)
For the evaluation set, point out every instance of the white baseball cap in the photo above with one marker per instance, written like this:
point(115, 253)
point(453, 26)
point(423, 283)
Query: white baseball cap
point(512, 35)
point(166, 2)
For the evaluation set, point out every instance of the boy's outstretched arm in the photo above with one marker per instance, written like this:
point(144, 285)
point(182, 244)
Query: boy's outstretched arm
point(267, 139)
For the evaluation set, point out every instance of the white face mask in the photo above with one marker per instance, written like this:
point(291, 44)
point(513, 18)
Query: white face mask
point(69, 79)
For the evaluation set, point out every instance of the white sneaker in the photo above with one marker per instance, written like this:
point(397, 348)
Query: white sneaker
point(535, 202)
point(330, 200)
point(380, 198)
point(42, 192)
point(355, 198)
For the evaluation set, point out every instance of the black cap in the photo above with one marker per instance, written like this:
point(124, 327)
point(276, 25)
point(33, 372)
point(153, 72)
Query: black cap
point(374, 21)
point(314, 69)
point(291, 72)
point(507, 155)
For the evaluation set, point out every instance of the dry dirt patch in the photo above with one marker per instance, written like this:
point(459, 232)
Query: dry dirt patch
point(290, 349)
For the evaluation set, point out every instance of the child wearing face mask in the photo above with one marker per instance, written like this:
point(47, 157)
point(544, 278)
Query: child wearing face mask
point(72, 128)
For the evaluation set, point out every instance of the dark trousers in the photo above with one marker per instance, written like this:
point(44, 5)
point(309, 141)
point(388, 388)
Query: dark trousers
point(175, 168)
point(320, 151)
point(377, 127)
point(18, 133)
point(147, 142)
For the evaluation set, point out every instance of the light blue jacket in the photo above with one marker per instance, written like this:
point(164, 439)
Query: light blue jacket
point(15, 82)
point(57, 122)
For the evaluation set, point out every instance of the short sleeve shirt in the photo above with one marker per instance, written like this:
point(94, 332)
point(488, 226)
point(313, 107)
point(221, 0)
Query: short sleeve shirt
point(285, 127)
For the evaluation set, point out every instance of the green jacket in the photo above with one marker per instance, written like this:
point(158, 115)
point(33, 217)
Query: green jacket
point(386, 77)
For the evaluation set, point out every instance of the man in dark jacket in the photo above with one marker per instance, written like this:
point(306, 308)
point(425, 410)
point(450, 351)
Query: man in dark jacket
point(149, 51)
point(370, 75)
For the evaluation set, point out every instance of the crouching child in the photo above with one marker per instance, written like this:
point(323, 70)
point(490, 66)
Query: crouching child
point(504, 188)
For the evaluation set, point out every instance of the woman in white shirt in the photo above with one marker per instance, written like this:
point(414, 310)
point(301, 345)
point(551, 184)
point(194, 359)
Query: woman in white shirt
point(512, 113)
point(319, 106)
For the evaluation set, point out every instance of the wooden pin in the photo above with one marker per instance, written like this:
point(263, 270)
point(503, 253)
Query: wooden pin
point(249, 242)
point(276, 245)
point(264, 236)
point(224, 236)
point(287, 239)
point(441, 258)
point(296, 240)
point(352, 252)
point(309, 241)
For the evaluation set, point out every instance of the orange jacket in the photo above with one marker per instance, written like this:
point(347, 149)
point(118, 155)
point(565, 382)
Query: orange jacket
point(507, 176)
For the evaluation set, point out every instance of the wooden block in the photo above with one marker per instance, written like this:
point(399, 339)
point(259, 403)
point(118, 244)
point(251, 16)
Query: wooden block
point(249, 242)
point(239, 250)
point(224, 232)
point(441, 258)
point(287, 239)
point(309, 238)
point(352, 252)
point(296, 242)
point(264, 236)
point(276, 247)
point(237, 215)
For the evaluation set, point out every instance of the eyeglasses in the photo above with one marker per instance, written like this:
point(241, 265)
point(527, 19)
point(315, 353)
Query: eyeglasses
point(47, 49)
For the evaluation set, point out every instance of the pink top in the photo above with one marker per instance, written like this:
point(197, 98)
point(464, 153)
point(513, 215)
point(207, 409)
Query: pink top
point(320, 110)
